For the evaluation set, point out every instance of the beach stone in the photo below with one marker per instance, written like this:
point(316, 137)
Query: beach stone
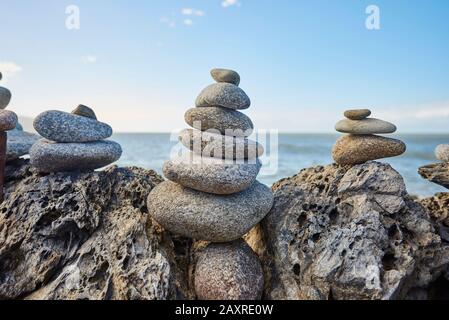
point(225, 95)
point(84, 111)
point(442, 152)
point(211, 175)
point(8, 120)
point(357, 114)
point(19, 127)
point(19, 143)
point(49, 156)
point(5, 97)
point(225, 75)
point(209, 144)
point(226, 121)
point(66, 127)
point(204, 216)
point(357, 149)
point(365, 126)
point(228, 271)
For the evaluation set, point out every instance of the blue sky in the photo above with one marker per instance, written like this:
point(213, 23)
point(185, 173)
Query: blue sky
point(141, 64)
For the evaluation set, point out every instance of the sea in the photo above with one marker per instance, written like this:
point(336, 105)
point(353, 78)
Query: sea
point(290, 153)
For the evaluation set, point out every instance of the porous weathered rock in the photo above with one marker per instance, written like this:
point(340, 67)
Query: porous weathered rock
point(49, 156)
point(19, 143)
point(5, 97)
point(437, 173)
point(228, 271)
point(84, 111)
point(356, 149)
point(225, 75)
point(357, 114)
point(224, 95)
point(226, 121)
point(66, 127)
point(438, 208)
point(84, 236)
point(8, 120)
point(442, 152)
point(211, 175)
point(214, 145)
point(204, 216)
point(365, 126)
point(349, 233)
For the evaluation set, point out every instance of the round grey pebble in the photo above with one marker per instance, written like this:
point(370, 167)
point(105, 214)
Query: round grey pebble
point(48, 156)
point(225, 75)
point(357, 114)
point(84, 111)
point(212, 175)
point(204, 216)
point(19, 143)
point(365, 126)
point(8, 120)
point(5, 97)
point(225, 95)
point(228, 271)
point(442, 152)
point(66, 127)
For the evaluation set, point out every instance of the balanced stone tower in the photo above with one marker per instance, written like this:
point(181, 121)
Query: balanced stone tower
point(212, 193)
point(362, 143)
point(72, 142)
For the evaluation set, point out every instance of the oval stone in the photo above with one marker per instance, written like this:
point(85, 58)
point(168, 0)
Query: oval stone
point(66, 127)
point(442, 152)
point(209, 144)
point(228, 271)
point(19, 143)
point(8, 120)
point(357, 114)
point(225, 75)
point(205, 216)
point(49, 156)
point(211, 175)
point(365, 126)
point(5, 97)
point(357, 149)
point(225, 95)
point(226, 121)
point(84, 111)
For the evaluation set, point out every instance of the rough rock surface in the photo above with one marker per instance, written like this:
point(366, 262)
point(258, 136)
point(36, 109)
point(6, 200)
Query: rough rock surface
point(84, 236)
point(437, 173)
point(224, 95)
point(438, 208)
point(350, 233)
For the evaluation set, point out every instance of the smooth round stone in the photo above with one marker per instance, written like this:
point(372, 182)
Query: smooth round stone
point(19, 127)
point(211, 175)
point(84, 111)
point(48, 156)
point(219, 146)
point(357, 114)
point(225, 95)
point(66, 127)
point(442, 152)
point(226, 121)
point(5, 97)
point(225, 75)
point(228, 271)
point(205, 216)
point(8, 120)
point(19, 143)
point(365, 126)
point(357, 149)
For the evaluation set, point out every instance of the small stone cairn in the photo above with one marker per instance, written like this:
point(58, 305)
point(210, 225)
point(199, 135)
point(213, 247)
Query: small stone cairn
point(442, 152)
point(72, 142)
point(362, 144)
point(212, 193)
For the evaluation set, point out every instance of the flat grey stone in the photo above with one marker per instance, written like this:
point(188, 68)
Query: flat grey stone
point(225, 95)
point(365, 126)
point(219, 146)
point(225, 75)
point(8, 120)
point(226, 121)
point(357, 114)
point(48, 156)
point(211, 175)
point(84, 111)
point(442, 152)
point(66, 127)
point(228, 271)
point(19, 143)
point(204, 216)
point(5, 97)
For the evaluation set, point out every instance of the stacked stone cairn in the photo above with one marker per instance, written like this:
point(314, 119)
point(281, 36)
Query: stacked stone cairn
point(212, 193)
point(72, 142)
point(362, 143)
point(442, 152)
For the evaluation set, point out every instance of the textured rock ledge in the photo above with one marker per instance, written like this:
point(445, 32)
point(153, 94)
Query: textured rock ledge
point(437, 173)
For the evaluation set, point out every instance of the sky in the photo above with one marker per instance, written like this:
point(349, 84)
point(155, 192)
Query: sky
point(141, 64)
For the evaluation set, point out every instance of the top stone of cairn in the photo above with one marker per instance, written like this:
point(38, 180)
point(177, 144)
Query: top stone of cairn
point(5, 96)
point(84, 111)
point(357, 114)
point(225, 75)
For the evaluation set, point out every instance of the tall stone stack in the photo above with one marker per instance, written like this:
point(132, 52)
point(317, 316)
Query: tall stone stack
point(212, 193)
point(72, 142)
point(362, 144)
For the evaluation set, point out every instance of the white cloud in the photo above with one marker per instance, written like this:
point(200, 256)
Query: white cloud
point(188, 22)
point(192, 12)
point(170, 21)
point(8, 70)
point(230, 3)
point(418, 112)
point(89, 58)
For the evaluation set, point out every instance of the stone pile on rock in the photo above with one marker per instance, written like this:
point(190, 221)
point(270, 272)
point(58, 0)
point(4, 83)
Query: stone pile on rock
point(362, 143)
point(72, 142)
point(212, 193)
point(8, 119)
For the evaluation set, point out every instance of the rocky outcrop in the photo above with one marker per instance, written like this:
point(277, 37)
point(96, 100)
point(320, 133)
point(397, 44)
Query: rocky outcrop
point(86, 236)
point(437, 173)
point(350, 233)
